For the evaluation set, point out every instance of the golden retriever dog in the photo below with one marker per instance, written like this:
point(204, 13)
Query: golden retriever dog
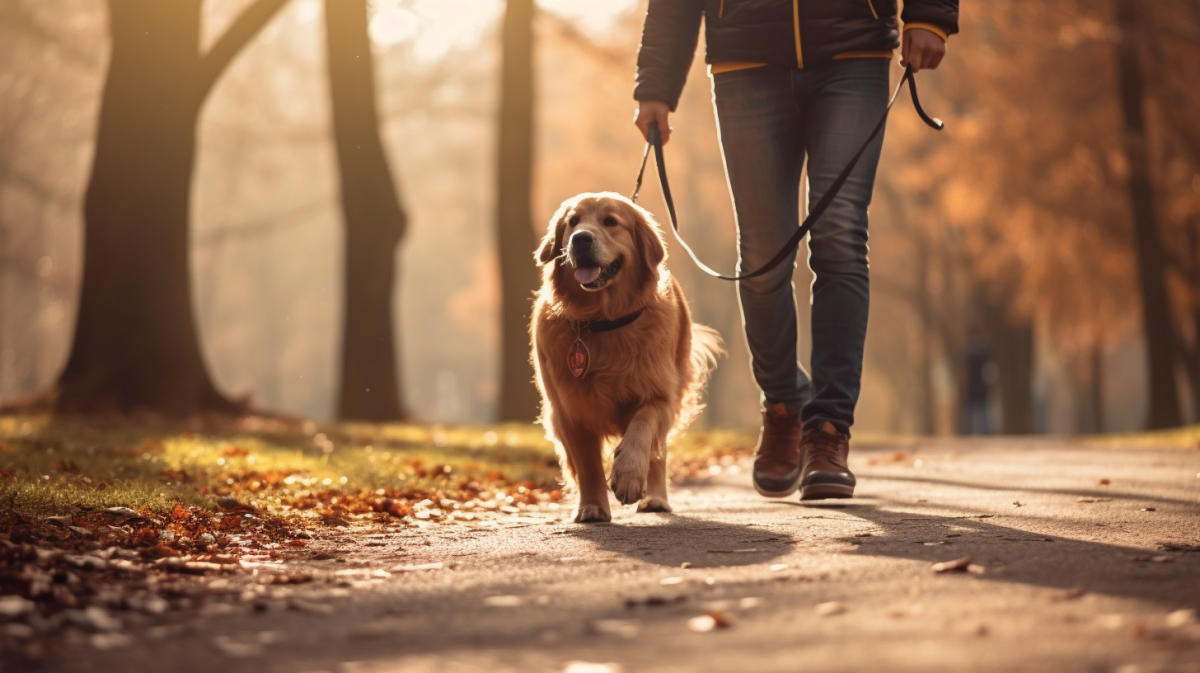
point(617, 357)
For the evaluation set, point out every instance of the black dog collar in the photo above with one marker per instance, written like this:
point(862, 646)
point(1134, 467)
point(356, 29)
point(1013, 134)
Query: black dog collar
point(609, 325)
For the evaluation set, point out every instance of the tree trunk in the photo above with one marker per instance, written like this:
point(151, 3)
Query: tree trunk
point(135, 344)
point(514, 218)
point(374, 221)
point(1096, 397)
point(1012, 348)
point(135, 340)
point(927, 410)
point(1163, 397)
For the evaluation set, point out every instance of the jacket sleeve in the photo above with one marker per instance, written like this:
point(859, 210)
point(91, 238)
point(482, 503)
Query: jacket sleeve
point(942, 14)
point(669, 39)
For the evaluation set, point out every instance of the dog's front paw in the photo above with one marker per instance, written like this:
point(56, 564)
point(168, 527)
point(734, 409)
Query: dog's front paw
point(592, 514)
point(652, 504)
point(628, 478)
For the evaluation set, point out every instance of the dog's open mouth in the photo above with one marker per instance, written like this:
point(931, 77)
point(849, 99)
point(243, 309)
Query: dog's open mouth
point(595, 277)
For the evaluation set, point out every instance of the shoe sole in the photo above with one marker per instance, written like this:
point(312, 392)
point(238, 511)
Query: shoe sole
point(776, 494)
point(822, 491)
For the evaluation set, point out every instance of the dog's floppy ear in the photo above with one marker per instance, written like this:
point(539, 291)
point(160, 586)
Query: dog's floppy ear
point(649, 240)
point(550, 246)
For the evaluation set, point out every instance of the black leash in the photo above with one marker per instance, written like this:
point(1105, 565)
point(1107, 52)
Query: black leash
point(814, 213)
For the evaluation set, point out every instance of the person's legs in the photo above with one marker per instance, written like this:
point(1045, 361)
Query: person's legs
point(760, 123)
point(842, 101)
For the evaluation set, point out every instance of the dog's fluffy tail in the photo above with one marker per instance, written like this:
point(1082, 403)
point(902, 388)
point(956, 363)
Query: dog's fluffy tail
point(707, 348)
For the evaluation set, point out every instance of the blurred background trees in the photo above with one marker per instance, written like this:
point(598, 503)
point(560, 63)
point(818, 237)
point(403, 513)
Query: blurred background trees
point(1025, 232)
point(514, 215)
point(374, 221)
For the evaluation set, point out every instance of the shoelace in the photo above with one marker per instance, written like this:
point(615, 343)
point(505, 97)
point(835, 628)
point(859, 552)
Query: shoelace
point(823, 445)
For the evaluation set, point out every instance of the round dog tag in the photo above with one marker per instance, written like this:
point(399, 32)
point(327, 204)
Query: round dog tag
point(578, 359)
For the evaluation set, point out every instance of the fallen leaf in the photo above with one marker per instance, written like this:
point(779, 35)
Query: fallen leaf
point(110, 641)
point(1105, 482)
point(414, 568)
point(93, 617)
point(621, 628)
point(1070, 594)
point(966, 564)
point(709, 621)
point(1180, 618)
point(1018, 503)
point(14, 607)
point(1093, 500)
point(830, 608)
point(311, 607)
point(1178, 546)
point(237, 649)
point(503, 601)
point(669, 581)
point(591, 667)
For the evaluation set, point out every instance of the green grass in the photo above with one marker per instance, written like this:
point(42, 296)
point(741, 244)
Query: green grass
point(55, 466)
point(1187, 437)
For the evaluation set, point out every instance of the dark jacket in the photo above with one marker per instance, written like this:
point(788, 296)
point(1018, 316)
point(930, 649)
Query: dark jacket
point(783, 32)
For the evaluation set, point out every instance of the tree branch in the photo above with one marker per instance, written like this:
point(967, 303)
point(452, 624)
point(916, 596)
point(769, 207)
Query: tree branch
point(240, 32)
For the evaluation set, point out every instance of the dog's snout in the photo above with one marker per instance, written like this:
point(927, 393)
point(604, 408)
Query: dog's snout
point(582, 240)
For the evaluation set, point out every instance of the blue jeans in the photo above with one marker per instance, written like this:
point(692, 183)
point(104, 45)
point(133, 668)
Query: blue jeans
point(769, 118)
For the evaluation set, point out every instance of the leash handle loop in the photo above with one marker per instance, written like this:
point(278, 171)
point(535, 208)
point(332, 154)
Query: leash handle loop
point(654, 140)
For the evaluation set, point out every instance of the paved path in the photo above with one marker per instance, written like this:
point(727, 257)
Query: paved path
point(1084, 560)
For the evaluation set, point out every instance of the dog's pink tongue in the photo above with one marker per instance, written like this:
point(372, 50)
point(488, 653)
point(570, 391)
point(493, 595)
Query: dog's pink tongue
point(587, 274)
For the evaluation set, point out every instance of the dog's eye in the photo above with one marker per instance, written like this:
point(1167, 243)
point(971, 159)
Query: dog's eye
point(574, 220)
point(610, 221)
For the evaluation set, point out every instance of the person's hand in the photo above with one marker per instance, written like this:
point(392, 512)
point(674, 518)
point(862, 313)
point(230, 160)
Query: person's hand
point(653, 111)
point(922, 49)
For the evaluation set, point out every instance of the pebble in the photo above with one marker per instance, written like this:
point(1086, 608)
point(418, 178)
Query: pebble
point(830, 608)
point(1181, 618)
point(94, 618)
point(110, 641)
point(227, 501)
point(14, 607)
point(18, 631)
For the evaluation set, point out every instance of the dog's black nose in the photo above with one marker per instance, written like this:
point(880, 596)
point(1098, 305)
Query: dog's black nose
point(582, 240)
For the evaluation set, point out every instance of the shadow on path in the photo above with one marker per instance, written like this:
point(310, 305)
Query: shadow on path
point(1072, 492)
point(1025, 557)
point(670, 540)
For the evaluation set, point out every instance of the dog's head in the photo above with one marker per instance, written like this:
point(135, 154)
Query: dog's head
point(602, 242)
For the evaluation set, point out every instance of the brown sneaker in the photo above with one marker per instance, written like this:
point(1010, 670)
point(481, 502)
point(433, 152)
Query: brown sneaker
point(777, 457)
point(826, 474)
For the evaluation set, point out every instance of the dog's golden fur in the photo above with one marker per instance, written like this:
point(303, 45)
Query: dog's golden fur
point(644, 379)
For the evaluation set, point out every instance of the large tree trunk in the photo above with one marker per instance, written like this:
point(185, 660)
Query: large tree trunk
point(374, 221)
point(135, 338)
point(514, 218)
point(1163, 397)
point(135, 344)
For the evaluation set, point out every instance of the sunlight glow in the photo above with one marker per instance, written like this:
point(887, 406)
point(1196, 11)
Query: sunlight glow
point(392, 25)
point(433, 28)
